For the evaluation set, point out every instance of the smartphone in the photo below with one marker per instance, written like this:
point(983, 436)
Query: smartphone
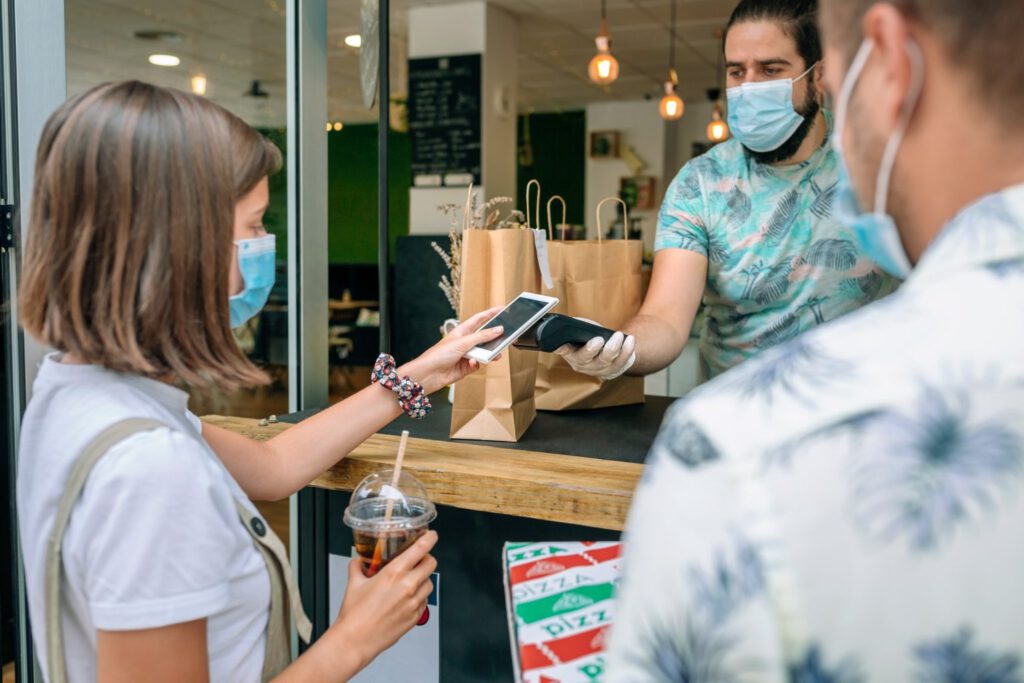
point(516, 318)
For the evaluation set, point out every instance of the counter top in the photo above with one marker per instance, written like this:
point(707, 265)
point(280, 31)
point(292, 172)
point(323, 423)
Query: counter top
point(575, 467)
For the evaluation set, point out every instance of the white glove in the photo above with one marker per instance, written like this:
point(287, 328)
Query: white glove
point(599, 359)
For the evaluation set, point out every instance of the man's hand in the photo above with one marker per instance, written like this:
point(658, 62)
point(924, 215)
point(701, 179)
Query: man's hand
point(607, 360)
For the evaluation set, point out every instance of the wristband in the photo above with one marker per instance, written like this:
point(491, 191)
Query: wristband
point(411, 397)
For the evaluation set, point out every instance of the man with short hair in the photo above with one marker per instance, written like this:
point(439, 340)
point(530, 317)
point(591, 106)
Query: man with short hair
point(747, 231)
point(850, 506)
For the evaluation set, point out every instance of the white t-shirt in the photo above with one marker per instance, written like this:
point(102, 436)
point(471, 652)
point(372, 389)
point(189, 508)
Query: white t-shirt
point(154, 539)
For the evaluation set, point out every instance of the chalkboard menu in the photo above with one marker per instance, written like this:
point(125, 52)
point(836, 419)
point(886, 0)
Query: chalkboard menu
point(444, 120)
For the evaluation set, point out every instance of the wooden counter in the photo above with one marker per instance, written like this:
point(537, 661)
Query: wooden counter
point(570, 489)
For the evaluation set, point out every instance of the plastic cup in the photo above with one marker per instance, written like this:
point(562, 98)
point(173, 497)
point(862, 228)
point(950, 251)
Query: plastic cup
point(378, 538)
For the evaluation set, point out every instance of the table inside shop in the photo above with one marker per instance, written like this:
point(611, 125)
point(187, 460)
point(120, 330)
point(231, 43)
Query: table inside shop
point(570, 478)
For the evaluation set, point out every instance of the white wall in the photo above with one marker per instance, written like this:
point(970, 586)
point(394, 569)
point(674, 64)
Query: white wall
point(442, 30)
point(640, 126)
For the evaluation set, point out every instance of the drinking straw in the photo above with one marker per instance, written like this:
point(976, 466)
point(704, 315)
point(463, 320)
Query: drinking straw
point(378, 551)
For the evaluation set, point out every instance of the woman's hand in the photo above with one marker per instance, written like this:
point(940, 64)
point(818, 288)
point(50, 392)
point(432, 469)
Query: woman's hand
point(378, 611)
point(375, 614)
point(446, 363)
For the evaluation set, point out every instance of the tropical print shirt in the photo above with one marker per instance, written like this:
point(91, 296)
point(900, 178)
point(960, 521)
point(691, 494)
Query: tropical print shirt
point(778, 263)
point(866, 520)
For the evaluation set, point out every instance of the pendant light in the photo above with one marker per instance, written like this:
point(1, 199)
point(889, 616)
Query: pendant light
point(671, 106)
point(718, 129)
point(604, 68)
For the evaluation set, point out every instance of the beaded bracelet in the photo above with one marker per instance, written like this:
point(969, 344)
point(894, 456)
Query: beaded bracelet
point(411, 397)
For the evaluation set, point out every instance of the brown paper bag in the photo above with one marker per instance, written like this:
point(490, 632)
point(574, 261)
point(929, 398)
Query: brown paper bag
point(600, 280)
point(496, 402)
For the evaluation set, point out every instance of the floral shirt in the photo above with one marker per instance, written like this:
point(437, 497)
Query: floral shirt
point(778, 263)
point(866, 521)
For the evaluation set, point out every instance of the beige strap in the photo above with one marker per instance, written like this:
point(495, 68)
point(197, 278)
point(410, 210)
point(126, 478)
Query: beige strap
point(284, 594)
point(96, 449)
point(282, 581)
point(562, 224)
point(536, 207)
point(625, 217)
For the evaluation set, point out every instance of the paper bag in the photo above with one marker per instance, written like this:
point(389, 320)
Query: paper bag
point(496, 402)
point(600, 280)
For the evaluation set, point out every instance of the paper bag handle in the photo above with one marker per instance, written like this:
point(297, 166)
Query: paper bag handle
point(625, 217)
point(561, 199)
point(536, 209)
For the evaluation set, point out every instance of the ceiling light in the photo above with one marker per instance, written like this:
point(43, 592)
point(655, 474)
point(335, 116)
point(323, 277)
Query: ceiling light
point(338, 125)
point(603, 68)
point(717, 129)
point(164, 60)
point(671, 106)
point(354, 40)
point(199, 84)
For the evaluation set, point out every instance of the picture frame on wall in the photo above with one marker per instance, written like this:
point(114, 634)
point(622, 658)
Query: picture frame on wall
point(604, 144)
point(639, 192)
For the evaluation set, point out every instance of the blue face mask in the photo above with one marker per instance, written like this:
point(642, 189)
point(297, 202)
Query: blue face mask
point(257, 260)
point(875, 232)
point(761, 115)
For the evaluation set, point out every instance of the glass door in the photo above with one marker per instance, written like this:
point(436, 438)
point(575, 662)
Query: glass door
point(9, 594)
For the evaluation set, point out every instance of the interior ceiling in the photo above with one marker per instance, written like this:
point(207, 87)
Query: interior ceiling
point(234, 42)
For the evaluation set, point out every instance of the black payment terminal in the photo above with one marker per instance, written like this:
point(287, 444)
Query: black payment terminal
point(555, 330)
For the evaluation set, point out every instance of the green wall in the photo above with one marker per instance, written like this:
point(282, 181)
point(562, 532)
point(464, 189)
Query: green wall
point(352, 192)
point(559, 162)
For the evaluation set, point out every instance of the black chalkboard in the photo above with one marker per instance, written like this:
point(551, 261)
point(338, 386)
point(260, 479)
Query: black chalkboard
point(444, 119)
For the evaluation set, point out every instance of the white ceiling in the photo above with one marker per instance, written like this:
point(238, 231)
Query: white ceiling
point(237, 41)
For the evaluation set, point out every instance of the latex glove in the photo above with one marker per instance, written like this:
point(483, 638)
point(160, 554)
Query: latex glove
point(600, 359)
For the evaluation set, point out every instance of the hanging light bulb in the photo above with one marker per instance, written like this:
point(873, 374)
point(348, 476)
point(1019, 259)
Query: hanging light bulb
point(718, 129)
point(199, 84)
point(604, 68)
point(671, 106)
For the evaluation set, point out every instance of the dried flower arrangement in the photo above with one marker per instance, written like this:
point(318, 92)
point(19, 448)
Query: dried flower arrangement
point(484, 217)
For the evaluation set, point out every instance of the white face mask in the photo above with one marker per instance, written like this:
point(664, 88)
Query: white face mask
point(761, 115)
point(875, 232)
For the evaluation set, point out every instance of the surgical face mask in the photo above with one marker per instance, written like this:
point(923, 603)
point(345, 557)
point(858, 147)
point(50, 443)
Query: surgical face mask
point(761, 115)
point(257, 260)
point(875, 232)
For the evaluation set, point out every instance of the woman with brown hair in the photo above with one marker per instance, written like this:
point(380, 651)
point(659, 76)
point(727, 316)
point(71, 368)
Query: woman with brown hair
point(144, 557)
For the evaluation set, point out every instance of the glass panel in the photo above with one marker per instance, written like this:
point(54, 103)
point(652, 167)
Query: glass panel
point(233, 52)
point(7, 621)
point(352, 210)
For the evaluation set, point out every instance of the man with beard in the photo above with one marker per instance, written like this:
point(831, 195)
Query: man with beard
point(747, 228)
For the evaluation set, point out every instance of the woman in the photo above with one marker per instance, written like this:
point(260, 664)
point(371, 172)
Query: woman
point(146, 245)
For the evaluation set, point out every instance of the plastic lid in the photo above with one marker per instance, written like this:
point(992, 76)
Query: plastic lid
point(411, 508)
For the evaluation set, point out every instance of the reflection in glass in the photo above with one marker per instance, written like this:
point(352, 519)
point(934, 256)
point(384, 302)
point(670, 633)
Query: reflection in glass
point(233, 52)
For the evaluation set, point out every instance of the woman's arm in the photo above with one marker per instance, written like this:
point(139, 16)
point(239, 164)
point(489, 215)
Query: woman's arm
point(277, 468)
point(170, 653)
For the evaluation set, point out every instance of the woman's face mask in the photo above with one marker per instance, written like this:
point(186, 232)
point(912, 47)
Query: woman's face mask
point(875, 232)
point(257, 259)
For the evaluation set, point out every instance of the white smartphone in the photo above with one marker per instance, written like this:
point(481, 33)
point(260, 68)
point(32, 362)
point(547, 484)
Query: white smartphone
point(516, 318)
